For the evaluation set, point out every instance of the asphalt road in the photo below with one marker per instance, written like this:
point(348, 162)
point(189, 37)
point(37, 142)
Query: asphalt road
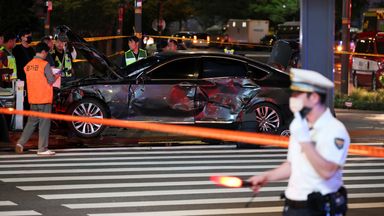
point(161, 181)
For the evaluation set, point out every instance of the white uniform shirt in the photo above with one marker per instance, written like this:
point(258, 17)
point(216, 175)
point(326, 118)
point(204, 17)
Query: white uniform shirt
point(332, 142)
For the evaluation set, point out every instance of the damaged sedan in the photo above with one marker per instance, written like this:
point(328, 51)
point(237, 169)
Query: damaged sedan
point(195, 88)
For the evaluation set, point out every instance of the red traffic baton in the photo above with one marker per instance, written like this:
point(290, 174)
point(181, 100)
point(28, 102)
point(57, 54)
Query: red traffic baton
point(230, 181)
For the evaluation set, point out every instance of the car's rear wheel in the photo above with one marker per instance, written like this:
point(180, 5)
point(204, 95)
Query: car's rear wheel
point(87, 107)
point(263, 118)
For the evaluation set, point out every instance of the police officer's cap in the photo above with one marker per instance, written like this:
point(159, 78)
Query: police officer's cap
point(309, 81)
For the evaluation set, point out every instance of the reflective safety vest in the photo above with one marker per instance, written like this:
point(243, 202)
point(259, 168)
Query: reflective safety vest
point(229, 51)
point(2, 48)
point(67, 65)
point(11, 63)
point(130, 56)
point(39, 90)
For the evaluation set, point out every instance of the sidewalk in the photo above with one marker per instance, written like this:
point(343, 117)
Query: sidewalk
point(364, 126)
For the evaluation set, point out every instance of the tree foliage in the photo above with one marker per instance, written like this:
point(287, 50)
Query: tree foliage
point(276, 11)
point(86, 16)
point(17, 14)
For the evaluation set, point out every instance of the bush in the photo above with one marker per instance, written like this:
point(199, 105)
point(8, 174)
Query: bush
point(361, 99)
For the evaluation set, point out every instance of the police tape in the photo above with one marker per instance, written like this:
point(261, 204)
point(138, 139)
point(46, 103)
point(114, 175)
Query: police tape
point(206, 133)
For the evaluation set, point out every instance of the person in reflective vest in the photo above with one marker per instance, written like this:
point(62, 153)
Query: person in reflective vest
point(7, 60)
point(228, 50)
point(134, 53)
point(63, 57)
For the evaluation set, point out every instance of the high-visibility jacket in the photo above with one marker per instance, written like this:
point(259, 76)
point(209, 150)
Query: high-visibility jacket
point(11, 60)
point(39, 90)
point(67, 64)
point(2, 48)
point(229, 51)
point(130, 56)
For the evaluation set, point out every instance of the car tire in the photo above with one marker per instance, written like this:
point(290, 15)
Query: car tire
point(87, 107)
point(262, 118)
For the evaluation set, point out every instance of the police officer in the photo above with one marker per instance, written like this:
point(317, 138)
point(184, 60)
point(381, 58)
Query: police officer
point(7, 60)
point(63, 56)
point(134, 53)
point(317, 151)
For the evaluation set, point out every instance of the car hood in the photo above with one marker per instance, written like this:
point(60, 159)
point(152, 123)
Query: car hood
point(104, 68)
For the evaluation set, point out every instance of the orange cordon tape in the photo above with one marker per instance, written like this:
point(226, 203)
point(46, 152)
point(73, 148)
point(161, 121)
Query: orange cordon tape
point(220, 134)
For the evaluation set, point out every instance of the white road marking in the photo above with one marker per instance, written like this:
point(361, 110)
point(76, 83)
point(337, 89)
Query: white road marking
point(228, 211)
point(18, 213)
point(250, 156)
point(7, 203)
point(145, 169)
point(177, 192)
point(194, 202)
point(135, 163)
point(149, 152)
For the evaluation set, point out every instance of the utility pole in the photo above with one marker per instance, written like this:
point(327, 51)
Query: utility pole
point(138, 17)
point(346, 25)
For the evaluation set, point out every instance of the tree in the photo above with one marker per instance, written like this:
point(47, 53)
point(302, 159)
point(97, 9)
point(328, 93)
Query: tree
point(276, 11)
point(17, 14)
point(88, 17)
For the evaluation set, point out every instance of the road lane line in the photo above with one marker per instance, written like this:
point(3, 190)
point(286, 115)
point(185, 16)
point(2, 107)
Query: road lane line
point(179, 192)
point(195, 201)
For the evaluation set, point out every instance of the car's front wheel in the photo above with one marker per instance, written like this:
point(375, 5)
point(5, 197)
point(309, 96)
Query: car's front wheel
point(87, 107)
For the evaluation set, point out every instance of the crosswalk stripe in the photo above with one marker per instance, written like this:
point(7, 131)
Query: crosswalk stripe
point(19, 213)
point(183, 162)
point(250, 156)
point(7, 203)
point(153, 176)
point(228, 211)
point(144, 169)
point(150, 152)
point(177, 192)
point(195, 201)
point(151, 184)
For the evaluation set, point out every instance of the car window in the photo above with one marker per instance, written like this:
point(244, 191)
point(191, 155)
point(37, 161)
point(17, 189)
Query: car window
point(364, 46)
point(257, 73)
point(186, 68)
point(222, 67)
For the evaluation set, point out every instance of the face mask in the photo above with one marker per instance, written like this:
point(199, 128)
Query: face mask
point(29, 39)
point(297, 105)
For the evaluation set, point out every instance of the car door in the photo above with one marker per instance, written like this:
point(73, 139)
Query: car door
point(166, 93)
point(223, 90)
